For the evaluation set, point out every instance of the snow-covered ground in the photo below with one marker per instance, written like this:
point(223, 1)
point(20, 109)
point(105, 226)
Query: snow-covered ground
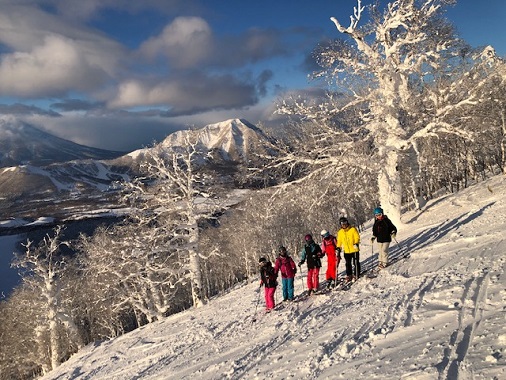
point(439, 314)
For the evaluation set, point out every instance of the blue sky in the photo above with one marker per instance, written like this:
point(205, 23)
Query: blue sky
point(118, 74)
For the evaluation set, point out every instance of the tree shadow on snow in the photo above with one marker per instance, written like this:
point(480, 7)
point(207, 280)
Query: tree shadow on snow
point(435, 233)
point(428, 207)
point(402, 249)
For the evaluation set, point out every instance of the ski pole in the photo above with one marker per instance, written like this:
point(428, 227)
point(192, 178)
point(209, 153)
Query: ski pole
point(372, 254)
point(337, 270)
point(355, 257)
point(256, 307)
point(406, 254)
point(301, 277)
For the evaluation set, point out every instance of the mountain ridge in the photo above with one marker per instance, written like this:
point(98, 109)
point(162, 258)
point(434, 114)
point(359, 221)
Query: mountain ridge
point(224, 149)
point(22, 143)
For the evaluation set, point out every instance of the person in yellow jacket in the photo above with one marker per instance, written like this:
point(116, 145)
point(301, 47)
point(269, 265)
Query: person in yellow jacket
point(348, 240)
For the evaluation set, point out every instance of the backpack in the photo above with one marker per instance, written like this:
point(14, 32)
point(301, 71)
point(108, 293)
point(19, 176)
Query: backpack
point(268, 276)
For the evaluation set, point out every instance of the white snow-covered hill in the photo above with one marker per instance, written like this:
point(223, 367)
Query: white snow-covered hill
point(438, 314)
point(234, 140)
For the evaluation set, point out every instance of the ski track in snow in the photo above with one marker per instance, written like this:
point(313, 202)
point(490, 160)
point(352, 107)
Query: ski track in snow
point(437, 314)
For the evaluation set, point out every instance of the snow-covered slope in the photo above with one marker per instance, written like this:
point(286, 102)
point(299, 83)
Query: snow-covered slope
point(230, 140)
point(439, 314)
point(234, 139)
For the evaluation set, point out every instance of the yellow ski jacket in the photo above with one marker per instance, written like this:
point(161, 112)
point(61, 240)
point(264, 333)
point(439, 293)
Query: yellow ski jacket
point(348, 239)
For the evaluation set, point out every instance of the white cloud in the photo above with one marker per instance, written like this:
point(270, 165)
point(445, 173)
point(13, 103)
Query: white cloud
point(55, 67)
point(186, 42)
point(188, 93)
point(50, 56)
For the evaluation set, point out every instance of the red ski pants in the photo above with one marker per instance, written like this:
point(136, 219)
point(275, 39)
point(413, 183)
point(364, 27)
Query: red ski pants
point(313, 280)
point(332, 264)
point(269, 298)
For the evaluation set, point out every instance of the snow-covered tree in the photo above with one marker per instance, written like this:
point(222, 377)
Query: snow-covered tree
point(128, 270)
point(380, 74)
point(176, 197)
point(42, 268)
point(18, 358)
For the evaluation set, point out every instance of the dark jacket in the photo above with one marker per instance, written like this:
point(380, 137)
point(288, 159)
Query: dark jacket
point(286, 265)
point(383, 230)
point(312, 253)
point(268, 276)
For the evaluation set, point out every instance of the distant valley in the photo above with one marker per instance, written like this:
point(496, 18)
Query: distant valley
point(42, 175)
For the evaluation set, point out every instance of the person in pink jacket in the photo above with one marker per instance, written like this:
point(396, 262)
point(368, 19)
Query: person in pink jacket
point(286, 265)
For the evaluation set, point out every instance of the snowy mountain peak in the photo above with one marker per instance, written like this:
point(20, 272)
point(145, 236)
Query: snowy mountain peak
point(22, 143)
point(233, 140)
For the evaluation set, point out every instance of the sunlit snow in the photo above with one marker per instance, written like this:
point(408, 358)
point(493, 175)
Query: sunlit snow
point(438, 314)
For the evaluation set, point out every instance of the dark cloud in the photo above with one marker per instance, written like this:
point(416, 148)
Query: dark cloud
point(250, 47)
point(199, 93)
point(76, 105)
point(263, 78)
point(23, 109)
point(187, 93)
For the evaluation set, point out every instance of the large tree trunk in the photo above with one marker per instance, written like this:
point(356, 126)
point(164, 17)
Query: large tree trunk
point(503, 141)
point(419, 194)
point(390, 188)
point(54, 344)
point(195, 266)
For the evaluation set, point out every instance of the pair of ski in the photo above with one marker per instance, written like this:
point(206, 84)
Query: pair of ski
point(374, 272)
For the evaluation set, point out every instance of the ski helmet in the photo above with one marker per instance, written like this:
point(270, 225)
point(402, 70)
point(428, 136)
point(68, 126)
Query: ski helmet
point(378, 210)
point(325, 233)
point(343, 220)
point(262, 260)
point(308, 237)
point(282, 251)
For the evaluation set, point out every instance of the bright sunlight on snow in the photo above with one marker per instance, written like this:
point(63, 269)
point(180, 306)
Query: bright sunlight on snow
point(437, 314)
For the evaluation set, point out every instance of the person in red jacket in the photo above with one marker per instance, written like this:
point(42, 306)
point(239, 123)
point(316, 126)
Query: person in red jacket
point(286, 265)
point(329, 248)
point(268, 280)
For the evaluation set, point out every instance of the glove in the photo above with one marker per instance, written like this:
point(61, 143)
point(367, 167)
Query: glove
point(373, 238)
point(393, 234)
point(338, 250)
point(301, 262)
point(355, 246)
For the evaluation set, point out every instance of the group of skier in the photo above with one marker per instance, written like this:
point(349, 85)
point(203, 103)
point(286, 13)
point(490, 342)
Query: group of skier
point(346, 241)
